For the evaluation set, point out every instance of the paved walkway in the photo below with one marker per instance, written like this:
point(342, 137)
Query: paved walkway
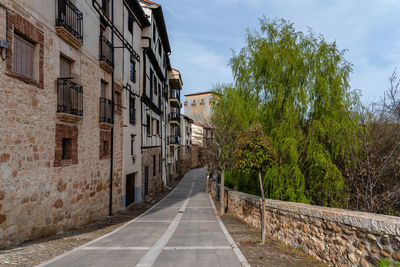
point(181, 230)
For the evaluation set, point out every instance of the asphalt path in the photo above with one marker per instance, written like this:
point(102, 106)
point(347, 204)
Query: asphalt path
point(181, 230)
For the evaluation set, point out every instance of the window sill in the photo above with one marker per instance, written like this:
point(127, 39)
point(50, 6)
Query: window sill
point(24, 79)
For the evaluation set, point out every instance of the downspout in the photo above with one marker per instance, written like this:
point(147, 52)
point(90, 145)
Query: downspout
point(112, 110)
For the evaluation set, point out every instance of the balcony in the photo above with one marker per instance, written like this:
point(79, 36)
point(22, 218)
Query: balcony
point(106, 54)
point(69, 23)
point(175, 98)
point(69, 100)
point(175, 118)
point(106, 119)
point(174, 140)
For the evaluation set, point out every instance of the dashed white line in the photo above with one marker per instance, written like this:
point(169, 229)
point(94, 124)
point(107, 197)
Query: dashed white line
point(197, 247)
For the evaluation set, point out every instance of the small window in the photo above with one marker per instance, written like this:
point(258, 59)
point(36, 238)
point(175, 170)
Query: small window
point(105, 148)
point(105, 5)
point(148, 126)
point(158, 127)
point(155, 85)
point(154, 165)
point(118, 101)
point(130, 23)
point(103, 89)
point(151, 83)
point(23, 56)
point(66, 149)
point(132, 144)
point(132, 73)
point(132, 110)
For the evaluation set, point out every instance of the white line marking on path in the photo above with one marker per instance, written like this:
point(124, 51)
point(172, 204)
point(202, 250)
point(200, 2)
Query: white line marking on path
point(236, 249)
point(199, 221)
point(152, 255)
point(198, 207)
point(198, 248)
point(115, 248)
point(106, 235)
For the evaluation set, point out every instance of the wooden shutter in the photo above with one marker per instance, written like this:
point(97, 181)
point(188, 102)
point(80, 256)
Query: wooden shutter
point(65, 67)
point(23, 56)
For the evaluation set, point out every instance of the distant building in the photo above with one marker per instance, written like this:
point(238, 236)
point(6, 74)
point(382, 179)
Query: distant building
point(185, 150)
point(197, 106)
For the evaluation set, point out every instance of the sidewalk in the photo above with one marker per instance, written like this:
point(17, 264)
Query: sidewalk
point(274, 253)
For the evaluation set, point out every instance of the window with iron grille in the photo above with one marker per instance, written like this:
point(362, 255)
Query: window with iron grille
point(66, 149)
point(132, 73)
point(132, 110)
point(132, 144)
point(23, 56)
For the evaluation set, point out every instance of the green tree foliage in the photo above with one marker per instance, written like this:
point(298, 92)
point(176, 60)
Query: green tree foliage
point(255, 153)
point(298, 90)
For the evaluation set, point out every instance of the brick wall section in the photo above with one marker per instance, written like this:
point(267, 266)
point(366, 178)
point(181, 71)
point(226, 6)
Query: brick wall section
point(156, 185)
point(184, 161)
point(16, 23)
point(195, 156)
point(336, 236)
point(66, 131)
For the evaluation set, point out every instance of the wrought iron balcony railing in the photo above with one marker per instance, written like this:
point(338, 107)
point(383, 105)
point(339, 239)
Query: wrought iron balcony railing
point(106, 110)
point(174, 140)
point(69, 97)
point(106, 51)
point(175, 94)
point(70, 17)
point(175, 116)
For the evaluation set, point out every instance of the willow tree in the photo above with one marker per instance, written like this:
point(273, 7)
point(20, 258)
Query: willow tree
point(255, 153)
point(231, 113)
point(301, 86)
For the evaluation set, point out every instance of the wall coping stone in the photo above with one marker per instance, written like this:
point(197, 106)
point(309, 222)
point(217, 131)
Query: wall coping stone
point(383, 224)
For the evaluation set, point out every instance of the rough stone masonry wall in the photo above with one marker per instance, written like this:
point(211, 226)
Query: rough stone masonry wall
point(336, 236)
point(155, 181)
point(37, 198)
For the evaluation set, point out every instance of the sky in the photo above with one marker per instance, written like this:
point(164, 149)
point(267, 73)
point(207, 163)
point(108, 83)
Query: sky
point(203, 34)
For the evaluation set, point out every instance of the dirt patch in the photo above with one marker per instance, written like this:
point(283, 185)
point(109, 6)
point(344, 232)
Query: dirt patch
point(32, 253)
point(274, 253)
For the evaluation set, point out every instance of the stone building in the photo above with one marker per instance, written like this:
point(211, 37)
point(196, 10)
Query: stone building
point(174, 125)
point(154, 71)
point(198, 106)
point(60, 135)
point(185, 150)
point(84, 96)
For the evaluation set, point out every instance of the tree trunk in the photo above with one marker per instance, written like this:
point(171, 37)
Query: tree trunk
point(262, 209)
point(222, 192)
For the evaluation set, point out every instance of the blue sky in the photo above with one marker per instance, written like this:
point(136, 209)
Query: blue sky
point(203, 33)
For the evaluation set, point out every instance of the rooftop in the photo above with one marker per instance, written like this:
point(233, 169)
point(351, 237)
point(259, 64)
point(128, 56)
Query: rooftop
point(200, 93)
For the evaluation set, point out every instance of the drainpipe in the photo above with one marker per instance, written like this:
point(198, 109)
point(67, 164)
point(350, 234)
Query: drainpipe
point(112, 110)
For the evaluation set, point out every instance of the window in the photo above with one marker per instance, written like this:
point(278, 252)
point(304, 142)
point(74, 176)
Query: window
point(66, 149)
point(158, 127)
point(159, 163)
point(105, 148)
point(155, 85)
point(103, 89)
point(151, 83)
point(106, 7)
point(118, 101)
point(65, 67)
point(130, 23)
point(154, 165)
point(23, 56)
point(148, 126)
point(154, 126)
point(132, 110)
point(132, 73)
point(132, 144)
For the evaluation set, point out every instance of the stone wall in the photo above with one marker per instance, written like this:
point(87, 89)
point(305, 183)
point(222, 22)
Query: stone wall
point(184, 161)
point(156, 184)
point(195, 155)
point(336, 236)
point(40, 194)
